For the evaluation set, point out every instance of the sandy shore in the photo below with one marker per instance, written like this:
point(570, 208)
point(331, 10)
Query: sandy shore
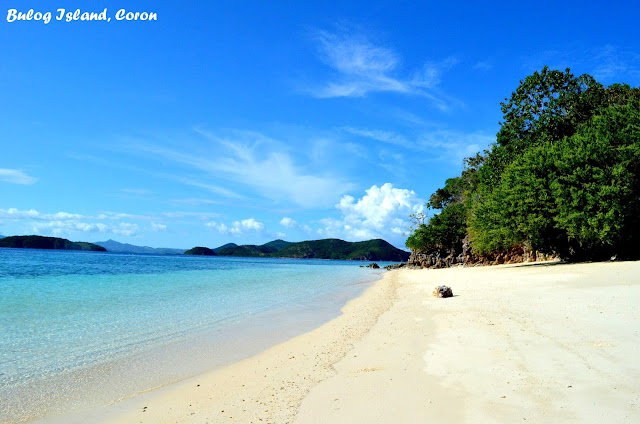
point(536, 343)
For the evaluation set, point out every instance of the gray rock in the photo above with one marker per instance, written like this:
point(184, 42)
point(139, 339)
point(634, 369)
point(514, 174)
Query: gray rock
point(443, 291)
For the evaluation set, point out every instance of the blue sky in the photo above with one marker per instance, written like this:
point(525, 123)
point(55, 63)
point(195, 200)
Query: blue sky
point(249, 121)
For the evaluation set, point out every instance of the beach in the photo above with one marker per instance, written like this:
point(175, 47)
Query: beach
point(543, 342)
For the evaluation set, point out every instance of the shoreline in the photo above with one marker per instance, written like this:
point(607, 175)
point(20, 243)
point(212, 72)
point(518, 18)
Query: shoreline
point(273, 382)
point(541, 342)
point(269, 314)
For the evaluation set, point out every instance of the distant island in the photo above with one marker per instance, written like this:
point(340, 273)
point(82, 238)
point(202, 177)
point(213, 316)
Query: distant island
point(202, 251)
point(117, 247)
point(40, 242)
point(371, 250)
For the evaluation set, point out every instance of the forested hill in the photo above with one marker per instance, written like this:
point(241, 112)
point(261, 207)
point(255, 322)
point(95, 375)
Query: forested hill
point(200, 251)
point(40, 242)
point(372, 250)
point(562, 179)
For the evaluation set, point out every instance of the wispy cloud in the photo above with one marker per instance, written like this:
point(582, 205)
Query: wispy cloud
point(16, 176)
point(192, 201)
point(483, 66)
point(158, 227)
point(454, 146)
point(613, 63)
point(263, 165)
point(380, 135)
point(202, 216)
point(135, 145)
point(608, 63)
point(440, 144)
point(136, 191)
point(362, 67)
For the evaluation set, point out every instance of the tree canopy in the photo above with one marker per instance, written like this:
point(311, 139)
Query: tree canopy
point(562, 176)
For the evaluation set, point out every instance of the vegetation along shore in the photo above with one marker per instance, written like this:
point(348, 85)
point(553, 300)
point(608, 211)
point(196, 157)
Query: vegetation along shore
point(561, 181)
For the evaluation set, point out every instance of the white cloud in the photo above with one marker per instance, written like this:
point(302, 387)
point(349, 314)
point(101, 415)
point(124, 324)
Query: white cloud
point(288, 222)
point(65, 227)
point(250, 224)
point(291, 223)
point(363, 67)
point(158, 227)
point(237, 227)
point(13, 213)
point(217, 226)
point(381, 213)
point(64, 223)
point(16, 176)
point(125, 229)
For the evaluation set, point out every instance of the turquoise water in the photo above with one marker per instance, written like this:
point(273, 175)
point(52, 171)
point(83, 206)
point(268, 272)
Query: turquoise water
point(70, 318)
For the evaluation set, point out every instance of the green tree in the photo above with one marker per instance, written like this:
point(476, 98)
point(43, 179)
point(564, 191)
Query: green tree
point(547, 106)
point(579, 197)
point(443, 233)
point(597, 184)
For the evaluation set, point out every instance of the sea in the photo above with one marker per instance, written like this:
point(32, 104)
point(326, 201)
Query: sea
point(80, 330)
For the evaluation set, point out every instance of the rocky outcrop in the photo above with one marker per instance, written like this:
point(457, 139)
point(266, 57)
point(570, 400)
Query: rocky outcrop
point(466, 257)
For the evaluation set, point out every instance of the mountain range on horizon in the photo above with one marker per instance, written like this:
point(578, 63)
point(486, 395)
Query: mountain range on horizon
point(117, 247)
point(377, 249)
point(372, 250)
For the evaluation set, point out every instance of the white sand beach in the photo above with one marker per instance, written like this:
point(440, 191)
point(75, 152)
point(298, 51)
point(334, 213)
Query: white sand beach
point(541, 343)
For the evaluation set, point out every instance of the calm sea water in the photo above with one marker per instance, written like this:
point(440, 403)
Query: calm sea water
point(74, 321)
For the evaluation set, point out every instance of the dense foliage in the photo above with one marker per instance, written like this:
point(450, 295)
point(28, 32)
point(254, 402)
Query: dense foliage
point(247, 250)
point(561, 178)
point(224, 246)
point(371, 250)
point(200, 251)
point(277, 244)
point(40, 242)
